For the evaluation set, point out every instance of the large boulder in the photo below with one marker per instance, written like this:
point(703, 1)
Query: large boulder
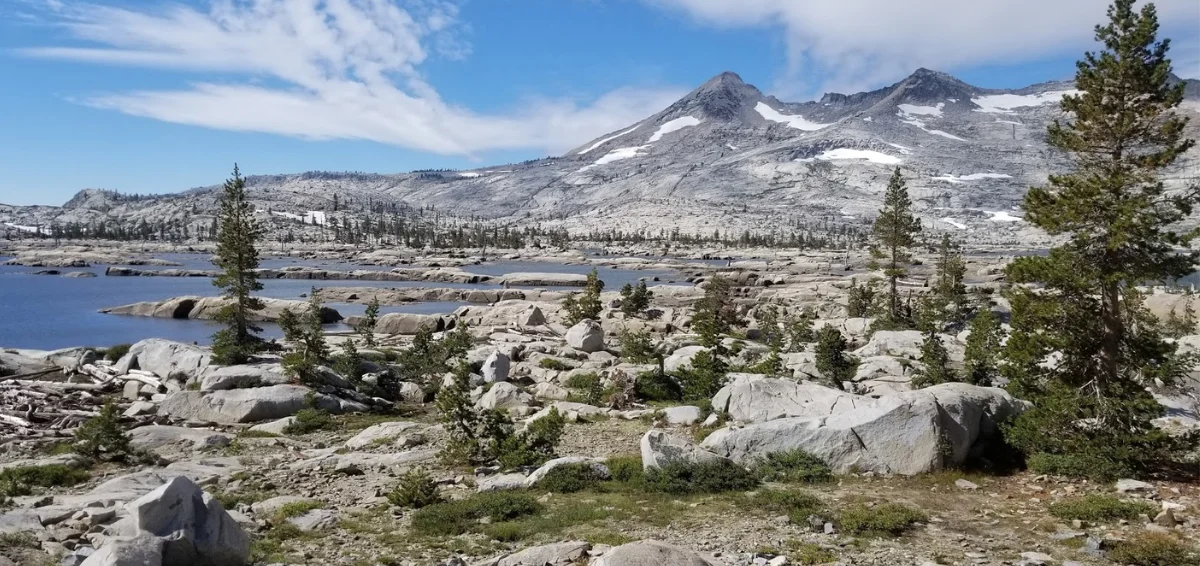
point(143, 550)
point(242, 376)
point(901, 343)
point(406, 323)
point(587, 336)
point(159, 436)
point(555, 554)
point(660, 448)
point(495, 367)
point(681, 358)
point(193, 527)
point(165, 358)
point(910, 433)
point(380, 433)
point(249, 405)
point(761, 400)
point(504, 395)
point(651, 553)
point(13, 363)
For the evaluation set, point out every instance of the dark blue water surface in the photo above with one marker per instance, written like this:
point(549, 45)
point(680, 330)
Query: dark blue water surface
point(49, 312)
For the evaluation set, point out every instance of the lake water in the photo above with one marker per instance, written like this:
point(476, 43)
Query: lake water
point(48, 311)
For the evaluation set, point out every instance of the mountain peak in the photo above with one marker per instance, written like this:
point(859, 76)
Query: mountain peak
point(723, 97)
point(927, 85)
point(724, 79)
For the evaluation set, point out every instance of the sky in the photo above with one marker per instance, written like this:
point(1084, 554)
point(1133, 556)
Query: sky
point(144, 96)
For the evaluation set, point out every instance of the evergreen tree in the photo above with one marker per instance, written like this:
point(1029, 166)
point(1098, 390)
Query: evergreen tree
point(237, 257)
point(635, 298)
point(366, 327)
point(307, 335)
point(587, 304)
point(861, 299)
point(833, 363)
point(951, 269)
point(983, 347)
point(894, 232)
point(349, 362)
point(716, 314)
point(1092, 413)
point(936, 360)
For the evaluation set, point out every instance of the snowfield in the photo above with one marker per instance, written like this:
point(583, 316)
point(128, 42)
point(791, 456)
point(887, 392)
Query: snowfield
point(955, 223)
point(915, 110)
point(971, 177)
point(1005, 103)
point(617, 155)
point(797, 122)
point(903, 149)
point(30, 229)
point(673, 126)
point(1003, 216)
point(470, 175)
point(847, 153)
point(608, 139)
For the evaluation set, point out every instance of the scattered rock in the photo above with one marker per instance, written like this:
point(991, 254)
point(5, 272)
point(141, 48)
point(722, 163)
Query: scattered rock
point(587, 336)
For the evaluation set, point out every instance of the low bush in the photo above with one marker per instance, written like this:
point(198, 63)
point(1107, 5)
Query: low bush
point(1100, 508)
point(452, 518)
point(295, 509)
point(637, 346)
point(114, 353)
point(102, 437)
point(310, 420)
point(809, 554)
point(570, 478)
point(718, 476)
point(1154, 549)
point(415, 490)
point(795, 466)
point(657, 386)
point(625, 469)
point(1077, 466)
point(888, 519)
point(20, 480)
point(797, 505)
point(553, 364)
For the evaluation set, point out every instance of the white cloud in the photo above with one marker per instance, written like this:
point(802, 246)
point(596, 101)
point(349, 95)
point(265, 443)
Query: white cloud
point(858, 44)
point(336, 69)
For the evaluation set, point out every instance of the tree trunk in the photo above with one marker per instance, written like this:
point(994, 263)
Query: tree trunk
point(1114, 331)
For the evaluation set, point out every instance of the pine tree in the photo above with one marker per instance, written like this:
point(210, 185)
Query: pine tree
point(833, 363)
point(894, 232)
point(983, 347)
point(635, 298)
point(307, 335)
point(237, 257)
point(366, 327)
point(936, 360)
point(587, 304)
point(716, 314)
point(1092, 413)
point(951, 269)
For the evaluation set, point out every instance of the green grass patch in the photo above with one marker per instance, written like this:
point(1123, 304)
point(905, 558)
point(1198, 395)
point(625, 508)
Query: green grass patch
point(311, 420)
point(248, 433)
point(808, 554)
point(793, 466)
point(570, 478)
point(797, 505)
point(888, 519)
point(711, 477)
point(21, 480)
point(1155, 549)
point(1100, 509)
point(453, 518)
point(626, 468)
point(295, 509)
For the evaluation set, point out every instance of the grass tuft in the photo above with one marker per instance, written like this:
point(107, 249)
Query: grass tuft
point(1100, 508)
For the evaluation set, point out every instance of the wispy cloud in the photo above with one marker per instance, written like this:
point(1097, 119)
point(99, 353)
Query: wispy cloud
point(858, 44)
point(345, 69)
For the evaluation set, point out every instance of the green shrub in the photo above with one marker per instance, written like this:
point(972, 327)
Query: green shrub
point(637, 346)
point(534, 445)
point(1100, 508)
point(888, 519)
point(452, 518)
point(710, 477)
point(635, 299)
point(415, 490)
point(1154, 549)
point(102, 437)
point(310, 420)
point(625, 469)
point(809, 554)
point(797, 505)
point(1077, 465)
point(295, 509)
point(20, 480)
point(795, 466)
point(703, 377)
point(483, 437)
point(114, 353)
point(570, 478)
point(657, 386)
point(553, 364)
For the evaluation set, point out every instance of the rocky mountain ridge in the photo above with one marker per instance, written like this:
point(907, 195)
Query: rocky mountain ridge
point(724, 157)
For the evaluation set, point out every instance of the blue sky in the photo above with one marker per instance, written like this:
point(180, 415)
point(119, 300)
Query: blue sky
point(146, 96)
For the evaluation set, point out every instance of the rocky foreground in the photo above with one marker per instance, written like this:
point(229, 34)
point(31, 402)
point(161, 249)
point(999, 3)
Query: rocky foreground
point(234, 467)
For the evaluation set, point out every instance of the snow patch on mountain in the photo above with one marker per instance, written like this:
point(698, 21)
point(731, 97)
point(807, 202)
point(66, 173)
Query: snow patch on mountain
point(673, 126)
point(955, 223)
point(311, 217)
point(617, 155)
point(903, 149)
point(1003, 216)
point(847, 153)
point(30, 229)
point(470, 175)
point(971, 177)
point(796, 121)
point(1006, 103)
point(608, 139)
point(915, 110)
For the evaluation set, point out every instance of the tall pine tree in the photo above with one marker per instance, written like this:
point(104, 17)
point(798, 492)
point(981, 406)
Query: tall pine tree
point(1092, 412)
point(894, 231)
point(237, 257)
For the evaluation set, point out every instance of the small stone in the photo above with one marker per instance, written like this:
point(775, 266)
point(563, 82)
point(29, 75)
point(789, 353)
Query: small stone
point(1166, 518)
point(829, 529)
point(964, 484)
point(1035, 558)
point(347, 468)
